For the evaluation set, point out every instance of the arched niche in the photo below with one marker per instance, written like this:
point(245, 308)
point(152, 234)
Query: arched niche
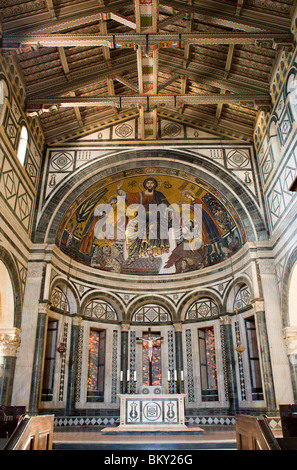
point(196, 300)
point(274, 140)
point(7, 306)
point(3, 99)
point(62, 298)
point(292, 298)
point(86, 179)
point(22, 145)
point(292, 92)
point(102, 306)
point(239, 293)
point(166, 308)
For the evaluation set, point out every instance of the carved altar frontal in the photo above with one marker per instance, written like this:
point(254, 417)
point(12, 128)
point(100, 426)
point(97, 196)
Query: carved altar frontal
point(152, 413)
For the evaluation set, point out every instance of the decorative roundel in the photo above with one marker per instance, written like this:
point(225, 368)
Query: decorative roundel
point(152, 411)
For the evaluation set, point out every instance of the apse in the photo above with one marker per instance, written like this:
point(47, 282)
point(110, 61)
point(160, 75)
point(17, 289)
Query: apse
point(110, 226)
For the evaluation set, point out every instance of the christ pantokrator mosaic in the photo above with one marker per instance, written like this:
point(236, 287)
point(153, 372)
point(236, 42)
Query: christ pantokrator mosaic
point(120, 251)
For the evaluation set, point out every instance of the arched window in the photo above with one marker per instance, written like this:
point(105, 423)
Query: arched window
point(3, 99)
point(201, 309)
point(59, 300)
point(274, 141)
point(292, 94)
point(22, 145)
point(151, 313)
point(242, 298)
point(293, 297)
point(6, 298)
point(98, 309)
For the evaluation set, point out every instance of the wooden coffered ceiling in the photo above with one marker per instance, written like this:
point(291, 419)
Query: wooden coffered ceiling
point(92, 61)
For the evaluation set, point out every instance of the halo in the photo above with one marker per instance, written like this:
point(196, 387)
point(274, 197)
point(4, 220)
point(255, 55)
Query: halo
point(150, 176)
point(110, 198)
point(185, 191)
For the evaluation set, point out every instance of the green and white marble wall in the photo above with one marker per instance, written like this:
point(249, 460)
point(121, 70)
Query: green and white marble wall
point(276, 144)
point(18, 192)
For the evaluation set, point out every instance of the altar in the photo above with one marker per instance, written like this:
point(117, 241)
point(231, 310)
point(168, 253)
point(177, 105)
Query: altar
point(142, 413)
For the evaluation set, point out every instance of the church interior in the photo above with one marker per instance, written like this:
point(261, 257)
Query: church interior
point(108, 110)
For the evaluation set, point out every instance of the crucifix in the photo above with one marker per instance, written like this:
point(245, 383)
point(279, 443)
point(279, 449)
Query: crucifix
point(149, 339)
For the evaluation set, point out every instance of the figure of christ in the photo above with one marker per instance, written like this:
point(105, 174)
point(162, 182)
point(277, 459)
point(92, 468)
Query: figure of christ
point(149, 339)
point(147, 245)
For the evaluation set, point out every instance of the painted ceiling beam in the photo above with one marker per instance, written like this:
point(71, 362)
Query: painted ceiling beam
point(227, 70)
point(173, 78)
point(146, 17)
point(126, 82)
point(148, 102)
point(69, 16)
point(226, 12)
point(187, 55)
point(145, 41)
point(82, 79)
point(211, 76)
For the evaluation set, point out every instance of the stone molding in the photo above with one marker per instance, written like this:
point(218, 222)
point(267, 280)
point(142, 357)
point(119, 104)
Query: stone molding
point(290, 337)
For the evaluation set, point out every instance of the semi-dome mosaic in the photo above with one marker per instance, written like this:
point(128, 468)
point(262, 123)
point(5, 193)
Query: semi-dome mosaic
point(102, 228)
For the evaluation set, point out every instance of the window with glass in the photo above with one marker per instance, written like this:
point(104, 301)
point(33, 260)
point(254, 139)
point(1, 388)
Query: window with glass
point(96, 366)
point(59, 300)
point(201, 309)
point(50, 361)
point(22, 148)
point(254, 361)
point(100, 310)
point(243, 298)
point(208, 368)
point(2, 96)
point(151, 313)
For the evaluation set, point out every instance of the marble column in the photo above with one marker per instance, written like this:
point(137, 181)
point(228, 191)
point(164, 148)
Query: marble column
point(230, 362)
point(38, 359)
point(178, 354)
point(124, 353)
point(290, 337)
point(268, 385)
point(72, 368)
point(9, 344)
point(276, 352)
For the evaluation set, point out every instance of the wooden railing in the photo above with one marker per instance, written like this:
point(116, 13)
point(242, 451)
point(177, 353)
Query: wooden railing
point(254, 433)
point(32, 433)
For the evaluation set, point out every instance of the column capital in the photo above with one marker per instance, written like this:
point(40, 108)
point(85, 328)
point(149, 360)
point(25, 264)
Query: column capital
point(258, 305)
point(178, 326)
point(225, 319)
point(125, 326)
point(10, 341)
point(44, 306)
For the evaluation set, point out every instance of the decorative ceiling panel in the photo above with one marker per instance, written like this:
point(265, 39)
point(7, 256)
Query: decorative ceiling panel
point(210, 48)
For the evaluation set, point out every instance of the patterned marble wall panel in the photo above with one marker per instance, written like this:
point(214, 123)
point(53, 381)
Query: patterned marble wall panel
point(285, 127)
point(14, 193)
point(18, 182)
point(277, 149)
point(279, 198)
